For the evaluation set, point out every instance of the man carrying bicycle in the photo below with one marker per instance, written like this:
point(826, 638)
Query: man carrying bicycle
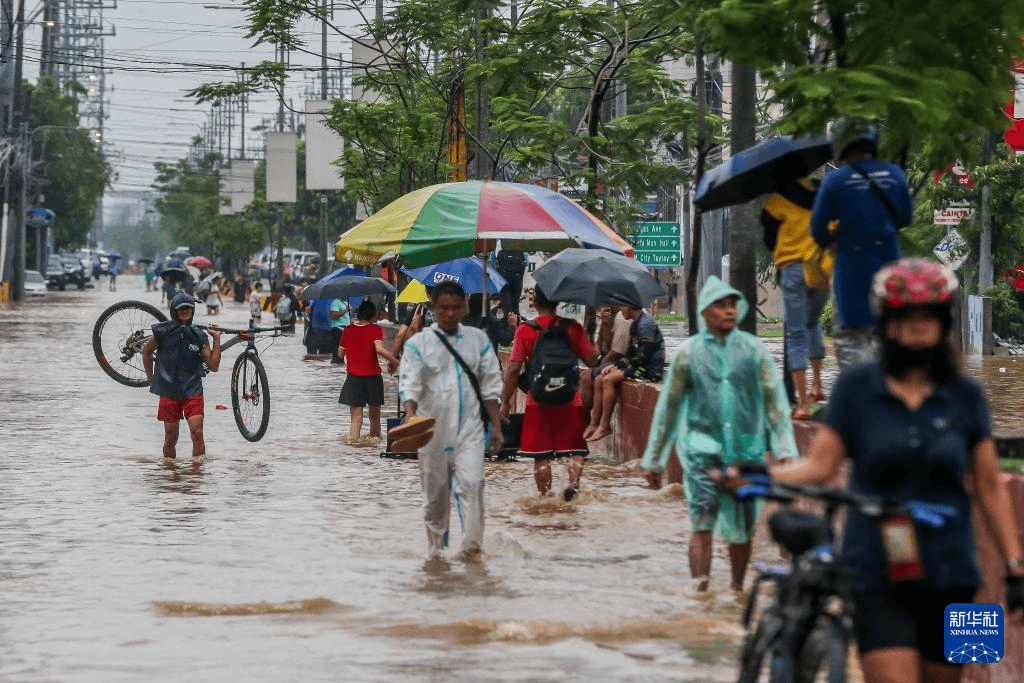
point(176, 376)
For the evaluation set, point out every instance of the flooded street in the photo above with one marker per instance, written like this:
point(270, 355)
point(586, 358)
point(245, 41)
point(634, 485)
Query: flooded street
point(300, 558)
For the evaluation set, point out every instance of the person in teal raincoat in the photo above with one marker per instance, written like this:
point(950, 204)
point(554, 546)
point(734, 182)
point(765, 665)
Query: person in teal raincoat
point(723, 404)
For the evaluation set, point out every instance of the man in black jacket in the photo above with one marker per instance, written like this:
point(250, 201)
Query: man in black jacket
point(177, 374)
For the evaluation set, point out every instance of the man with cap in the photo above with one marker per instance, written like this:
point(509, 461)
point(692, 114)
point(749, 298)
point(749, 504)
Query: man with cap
point(860, 207)
point(722, 405)
point(177, 375)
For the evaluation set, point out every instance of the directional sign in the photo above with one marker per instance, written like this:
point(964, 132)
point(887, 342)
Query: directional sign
point(952, 250)
point(657, 244)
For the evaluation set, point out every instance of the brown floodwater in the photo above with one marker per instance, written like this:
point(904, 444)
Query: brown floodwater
point(302, 558)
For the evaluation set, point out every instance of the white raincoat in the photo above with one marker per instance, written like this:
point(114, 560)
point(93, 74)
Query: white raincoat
point(453, 461)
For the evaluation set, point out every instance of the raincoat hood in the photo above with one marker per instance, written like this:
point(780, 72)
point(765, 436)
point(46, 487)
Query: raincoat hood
point(713, 290)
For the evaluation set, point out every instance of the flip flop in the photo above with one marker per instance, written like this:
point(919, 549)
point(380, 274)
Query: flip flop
point(412, 426)
point(412, 443)
point(817, 396)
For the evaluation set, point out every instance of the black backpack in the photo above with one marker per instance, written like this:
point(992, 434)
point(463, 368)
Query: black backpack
point(552, 376)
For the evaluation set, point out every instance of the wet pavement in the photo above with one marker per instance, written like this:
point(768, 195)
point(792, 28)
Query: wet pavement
point(301, 558)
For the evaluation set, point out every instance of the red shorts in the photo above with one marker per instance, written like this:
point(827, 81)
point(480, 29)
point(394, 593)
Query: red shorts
point(553, 431)
point(172, 410)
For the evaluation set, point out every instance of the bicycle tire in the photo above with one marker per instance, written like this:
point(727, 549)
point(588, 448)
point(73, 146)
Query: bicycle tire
point(823, 656)
point(118, 337)
point(250, 396)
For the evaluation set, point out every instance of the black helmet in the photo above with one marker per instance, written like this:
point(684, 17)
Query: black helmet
point(849, 130)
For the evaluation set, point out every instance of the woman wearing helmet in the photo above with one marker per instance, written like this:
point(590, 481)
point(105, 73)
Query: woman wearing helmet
point(913, 428)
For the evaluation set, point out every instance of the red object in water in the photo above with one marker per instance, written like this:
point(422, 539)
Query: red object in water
point(222, 407)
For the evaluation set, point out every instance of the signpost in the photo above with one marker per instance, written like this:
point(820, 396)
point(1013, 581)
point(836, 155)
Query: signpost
point(952, 250)
point(657, 244)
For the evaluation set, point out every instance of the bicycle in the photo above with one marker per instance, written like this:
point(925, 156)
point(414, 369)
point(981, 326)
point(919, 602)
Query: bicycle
point(123, 329)
point(804, 635)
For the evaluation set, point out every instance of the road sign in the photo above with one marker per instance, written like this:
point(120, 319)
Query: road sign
point(656, 244)
point(952, 215)
point(952, 250)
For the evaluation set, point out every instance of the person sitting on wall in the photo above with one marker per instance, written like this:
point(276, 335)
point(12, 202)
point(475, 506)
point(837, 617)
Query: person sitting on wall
point(644, 361)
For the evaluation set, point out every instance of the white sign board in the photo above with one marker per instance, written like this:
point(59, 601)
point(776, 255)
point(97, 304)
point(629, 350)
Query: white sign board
point(323, 146)
point(952, 215)
point(243, 191)
point(952, 250)
point(281, 164)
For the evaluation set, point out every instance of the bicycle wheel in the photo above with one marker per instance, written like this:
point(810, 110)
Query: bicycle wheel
point(823, 657)
point(759, 657)
point(250, 396)
point(118, 337)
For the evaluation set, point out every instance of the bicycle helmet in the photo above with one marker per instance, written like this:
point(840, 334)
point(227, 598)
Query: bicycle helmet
point(913, 282)
point(182, 300)
point(850, 130)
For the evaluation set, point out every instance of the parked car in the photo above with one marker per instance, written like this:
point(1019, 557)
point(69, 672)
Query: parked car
point(35, 283)
point(55, 273)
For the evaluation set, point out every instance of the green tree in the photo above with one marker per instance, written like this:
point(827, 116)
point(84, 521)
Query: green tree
point(69, 170)
point(547, 79)
point(936, 72)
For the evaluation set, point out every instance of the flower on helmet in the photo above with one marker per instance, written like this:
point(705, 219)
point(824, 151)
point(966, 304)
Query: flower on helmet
point(913, 282)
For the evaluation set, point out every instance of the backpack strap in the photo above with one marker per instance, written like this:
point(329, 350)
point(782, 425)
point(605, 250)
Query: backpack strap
point(880, 193)
point(473, 381)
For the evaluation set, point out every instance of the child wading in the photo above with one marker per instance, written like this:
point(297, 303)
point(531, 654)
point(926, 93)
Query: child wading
point(361, 343)
point(722, 394)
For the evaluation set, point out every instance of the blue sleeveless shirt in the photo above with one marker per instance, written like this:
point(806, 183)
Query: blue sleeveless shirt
point(178, 371)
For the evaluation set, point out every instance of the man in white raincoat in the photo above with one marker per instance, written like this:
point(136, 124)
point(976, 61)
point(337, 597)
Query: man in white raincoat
point(433, 382)
point(722, 395)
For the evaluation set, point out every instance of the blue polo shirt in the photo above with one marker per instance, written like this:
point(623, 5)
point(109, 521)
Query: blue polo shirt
point(904, 454)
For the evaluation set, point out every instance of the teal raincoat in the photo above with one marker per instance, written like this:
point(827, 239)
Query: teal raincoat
point(720, 399)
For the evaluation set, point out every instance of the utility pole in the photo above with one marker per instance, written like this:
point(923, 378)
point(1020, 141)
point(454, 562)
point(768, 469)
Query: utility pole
point(18, 206)
point(482, 163)
point(323, 97)
point(742, 220)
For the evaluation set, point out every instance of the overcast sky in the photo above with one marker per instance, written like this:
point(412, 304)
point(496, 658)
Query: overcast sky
point(161, 50)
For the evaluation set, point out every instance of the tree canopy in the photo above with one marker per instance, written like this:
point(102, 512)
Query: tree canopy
point(69, 169)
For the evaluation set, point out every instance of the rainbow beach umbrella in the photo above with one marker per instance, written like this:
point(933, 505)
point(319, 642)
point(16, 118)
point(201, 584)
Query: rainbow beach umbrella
point(453, 220)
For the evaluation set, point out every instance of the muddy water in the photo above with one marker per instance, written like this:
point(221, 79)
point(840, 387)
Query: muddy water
point(301, 558)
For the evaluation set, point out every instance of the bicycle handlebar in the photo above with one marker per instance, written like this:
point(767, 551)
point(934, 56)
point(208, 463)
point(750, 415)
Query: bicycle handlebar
point(929, 514)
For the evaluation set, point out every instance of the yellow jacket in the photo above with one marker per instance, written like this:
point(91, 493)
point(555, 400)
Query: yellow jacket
point(786, 217)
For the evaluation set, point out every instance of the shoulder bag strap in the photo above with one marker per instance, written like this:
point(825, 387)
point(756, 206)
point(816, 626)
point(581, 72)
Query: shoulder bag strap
point(893, 213)
point(474, 382)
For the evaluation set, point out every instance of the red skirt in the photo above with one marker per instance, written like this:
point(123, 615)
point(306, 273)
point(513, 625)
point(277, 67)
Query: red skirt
point(553, 431)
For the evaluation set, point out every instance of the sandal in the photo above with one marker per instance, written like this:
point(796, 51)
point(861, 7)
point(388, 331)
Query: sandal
point(818, 396)
point(800, 413)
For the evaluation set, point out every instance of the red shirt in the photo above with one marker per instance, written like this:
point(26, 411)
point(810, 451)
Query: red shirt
point(360, 351)
point(526, 337)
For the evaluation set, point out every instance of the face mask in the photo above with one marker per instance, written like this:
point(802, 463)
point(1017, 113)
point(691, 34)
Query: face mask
point(898, 359)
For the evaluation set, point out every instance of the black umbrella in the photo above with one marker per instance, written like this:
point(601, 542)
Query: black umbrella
point(345, 286)
point(596, 278)
point(761, 169)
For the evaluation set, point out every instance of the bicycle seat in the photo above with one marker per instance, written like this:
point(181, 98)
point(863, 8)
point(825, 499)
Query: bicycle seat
point(798, 531)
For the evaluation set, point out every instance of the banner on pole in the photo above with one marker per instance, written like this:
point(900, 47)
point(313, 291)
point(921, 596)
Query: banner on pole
point(281, 167)
point(323, 147)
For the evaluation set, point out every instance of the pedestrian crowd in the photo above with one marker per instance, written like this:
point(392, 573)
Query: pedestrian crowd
point(902, 416)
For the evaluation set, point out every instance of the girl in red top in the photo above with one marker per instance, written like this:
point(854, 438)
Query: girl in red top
point(361, 343)
point(549, 431)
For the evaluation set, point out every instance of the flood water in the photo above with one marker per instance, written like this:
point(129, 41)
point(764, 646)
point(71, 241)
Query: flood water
point(301, 558)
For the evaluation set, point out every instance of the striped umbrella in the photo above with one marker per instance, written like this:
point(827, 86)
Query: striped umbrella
point(452, 220)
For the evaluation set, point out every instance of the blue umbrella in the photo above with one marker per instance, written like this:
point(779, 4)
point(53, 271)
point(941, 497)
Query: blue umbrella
point(761, 169)
point(468, 272)
point(113, 255)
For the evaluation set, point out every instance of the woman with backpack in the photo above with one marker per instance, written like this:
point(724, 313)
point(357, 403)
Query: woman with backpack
point(549, 347)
